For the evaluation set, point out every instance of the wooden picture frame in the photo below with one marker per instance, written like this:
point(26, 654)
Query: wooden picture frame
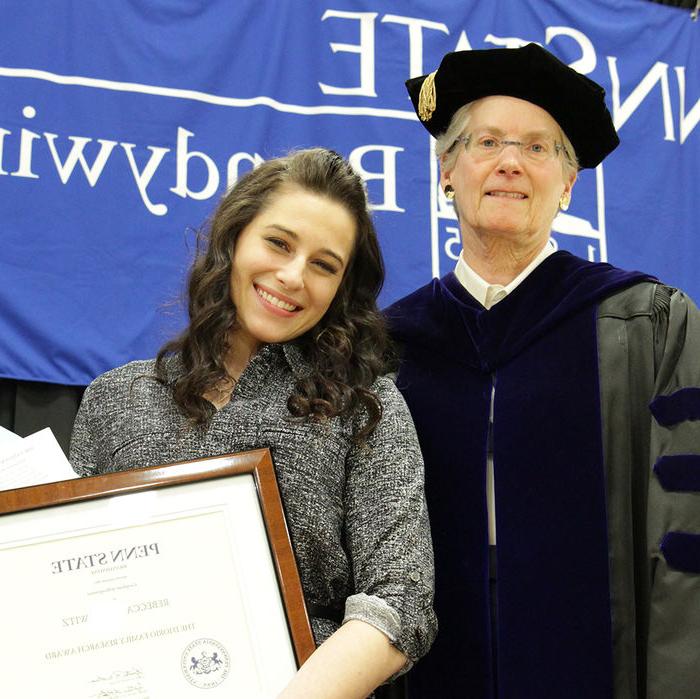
point(122, 583)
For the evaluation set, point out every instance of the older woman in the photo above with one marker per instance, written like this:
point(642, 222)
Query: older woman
point(284, 350)
point(563, 568)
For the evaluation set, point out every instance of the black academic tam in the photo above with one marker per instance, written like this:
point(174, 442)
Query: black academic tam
point(530, 73)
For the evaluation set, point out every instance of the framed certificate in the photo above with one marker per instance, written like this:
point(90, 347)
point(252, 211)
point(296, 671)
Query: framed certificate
point(156, 582)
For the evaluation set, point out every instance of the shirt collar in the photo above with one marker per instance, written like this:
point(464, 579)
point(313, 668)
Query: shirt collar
point(296, 358)
point(490, 294)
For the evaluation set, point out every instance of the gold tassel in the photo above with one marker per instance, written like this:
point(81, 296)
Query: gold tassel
point(426, 98)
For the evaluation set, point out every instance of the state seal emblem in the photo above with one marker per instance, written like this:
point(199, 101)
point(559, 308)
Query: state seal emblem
point(205, 663)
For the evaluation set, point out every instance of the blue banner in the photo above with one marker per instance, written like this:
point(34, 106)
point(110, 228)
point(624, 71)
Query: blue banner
point(122, 123)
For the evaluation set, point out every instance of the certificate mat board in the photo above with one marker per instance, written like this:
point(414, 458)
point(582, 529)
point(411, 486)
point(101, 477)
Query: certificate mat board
point(157, 582)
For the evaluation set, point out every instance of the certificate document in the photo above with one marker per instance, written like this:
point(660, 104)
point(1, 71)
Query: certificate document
point(165, 592)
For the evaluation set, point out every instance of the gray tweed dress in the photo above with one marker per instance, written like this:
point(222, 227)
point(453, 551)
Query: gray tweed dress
point(356, 514)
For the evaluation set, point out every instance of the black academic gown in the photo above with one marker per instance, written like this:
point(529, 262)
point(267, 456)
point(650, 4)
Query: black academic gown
point(537, 351)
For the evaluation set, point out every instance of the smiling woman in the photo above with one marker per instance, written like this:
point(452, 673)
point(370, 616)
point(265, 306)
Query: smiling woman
point(287, 267)
point(298, 231)
point(508, 177)
point(284, 350)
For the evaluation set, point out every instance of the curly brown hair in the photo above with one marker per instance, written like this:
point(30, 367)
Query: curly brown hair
point(345, 348)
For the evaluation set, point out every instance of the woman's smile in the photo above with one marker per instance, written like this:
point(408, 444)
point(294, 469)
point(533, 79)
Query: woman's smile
point(506, 194)
point(277, 303)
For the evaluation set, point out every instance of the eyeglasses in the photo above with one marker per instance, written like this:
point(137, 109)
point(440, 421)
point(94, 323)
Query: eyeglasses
point(486, 147)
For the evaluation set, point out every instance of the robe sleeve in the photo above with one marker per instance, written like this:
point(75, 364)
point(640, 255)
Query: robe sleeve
point(387, 531)
point(674, 509)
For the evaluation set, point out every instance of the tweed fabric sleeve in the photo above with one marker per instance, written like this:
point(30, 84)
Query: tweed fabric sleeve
point(387, 531)
point(83, 458)
point(111, 415)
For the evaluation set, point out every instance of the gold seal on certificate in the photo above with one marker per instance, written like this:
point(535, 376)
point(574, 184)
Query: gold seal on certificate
point(156, 582)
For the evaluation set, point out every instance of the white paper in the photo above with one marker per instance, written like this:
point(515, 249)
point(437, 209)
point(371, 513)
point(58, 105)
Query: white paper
point(8, 437)
point(33, 460)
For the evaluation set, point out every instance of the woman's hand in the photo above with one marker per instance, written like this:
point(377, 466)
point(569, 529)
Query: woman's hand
point(355, 660)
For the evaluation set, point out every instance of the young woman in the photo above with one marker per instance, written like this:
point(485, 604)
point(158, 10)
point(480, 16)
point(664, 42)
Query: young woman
point(284, 350)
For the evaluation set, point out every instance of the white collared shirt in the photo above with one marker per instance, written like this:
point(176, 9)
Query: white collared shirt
point(489, 295)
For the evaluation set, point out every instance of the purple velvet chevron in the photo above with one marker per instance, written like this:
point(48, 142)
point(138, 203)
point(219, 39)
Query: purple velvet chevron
point(679, 473)
point(682, 551)
point(676, 407)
